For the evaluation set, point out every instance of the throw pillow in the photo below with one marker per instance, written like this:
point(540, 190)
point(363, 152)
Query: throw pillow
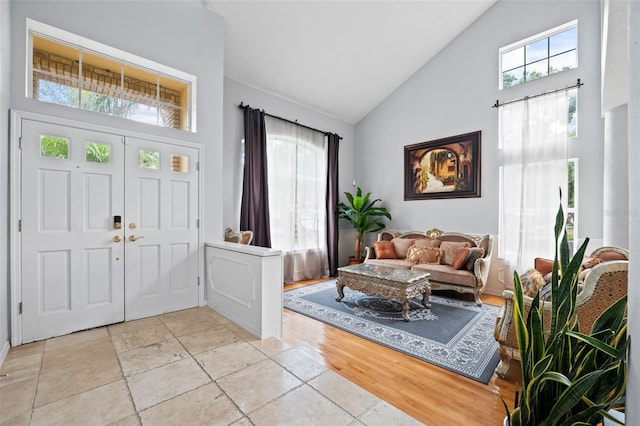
point(532, 281)
point(589, 262)
point(427, 242)
point(542, 265)
point(461, 258)
point(475, 253)
point(384, 250)
point(417, 254)
point(401, 246)
point(611, 255)
point(450, 249)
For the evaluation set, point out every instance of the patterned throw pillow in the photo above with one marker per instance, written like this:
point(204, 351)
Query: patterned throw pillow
point(461, 258)
point(589, 262)
point(475, 253)
point(385, 250)
point(450, 249)
point(532, 281)
point(402, 245)
point(417, 254)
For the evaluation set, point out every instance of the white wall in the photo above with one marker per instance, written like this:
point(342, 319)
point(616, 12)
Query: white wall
point(453, 94)
point(234, 93)
point(5, 49)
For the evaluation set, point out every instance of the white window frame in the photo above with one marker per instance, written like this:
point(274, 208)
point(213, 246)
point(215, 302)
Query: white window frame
point(47, 31)
point(575, 243)
point(533, 39)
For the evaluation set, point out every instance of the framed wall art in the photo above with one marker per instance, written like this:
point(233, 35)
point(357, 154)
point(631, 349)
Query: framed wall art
point(443, 168)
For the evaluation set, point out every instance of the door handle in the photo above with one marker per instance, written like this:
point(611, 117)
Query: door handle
point(116, 239)
point(134, 238)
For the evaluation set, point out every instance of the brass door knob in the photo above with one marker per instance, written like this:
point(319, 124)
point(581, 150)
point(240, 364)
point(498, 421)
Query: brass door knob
point(134, 238)
point(116, 239)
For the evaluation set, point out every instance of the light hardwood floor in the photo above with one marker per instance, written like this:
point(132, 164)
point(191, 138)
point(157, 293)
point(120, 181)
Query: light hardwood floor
point(428, 393)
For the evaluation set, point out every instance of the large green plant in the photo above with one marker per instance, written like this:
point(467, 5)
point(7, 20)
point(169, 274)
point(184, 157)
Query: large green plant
point(568, 377)
point(363, 216)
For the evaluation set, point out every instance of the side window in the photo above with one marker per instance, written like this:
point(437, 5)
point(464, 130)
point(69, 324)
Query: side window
point(544, 54)
point(55, 147)
point(97, 152)
point(149, 160)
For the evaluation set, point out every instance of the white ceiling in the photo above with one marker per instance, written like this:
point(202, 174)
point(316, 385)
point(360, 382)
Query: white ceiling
point(341, 58)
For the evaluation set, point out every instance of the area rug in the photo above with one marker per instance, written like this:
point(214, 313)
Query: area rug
point(453, 334)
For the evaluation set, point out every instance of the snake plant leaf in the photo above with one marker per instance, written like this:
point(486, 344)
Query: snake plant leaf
point(611, 317)
point(595, 343)
point(575, 394)
point(534, 323)
point(543, 365)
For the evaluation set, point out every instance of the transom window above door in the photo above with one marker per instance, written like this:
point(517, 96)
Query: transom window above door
point(70, 70)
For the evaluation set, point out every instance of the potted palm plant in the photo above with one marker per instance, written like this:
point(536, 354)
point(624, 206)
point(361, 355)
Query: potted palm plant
point(568, 377)
point(363, 216)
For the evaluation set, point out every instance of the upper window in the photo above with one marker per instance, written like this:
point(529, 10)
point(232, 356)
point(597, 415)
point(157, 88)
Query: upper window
point(69, 70)
point(544, 54)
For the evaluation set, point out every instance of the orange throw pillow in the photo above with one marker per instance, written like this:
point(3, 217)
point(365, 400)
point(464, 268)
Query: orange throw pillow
point(461, 258)
point(384, 250)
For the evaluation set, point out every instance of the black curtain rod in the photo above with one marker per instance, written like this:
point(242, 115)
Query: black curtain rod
point(243, 106)
point(498, 104)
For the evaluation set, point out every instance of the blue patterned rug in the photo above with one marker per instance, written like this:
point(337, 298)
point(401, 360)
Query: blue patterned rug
point(453, 334)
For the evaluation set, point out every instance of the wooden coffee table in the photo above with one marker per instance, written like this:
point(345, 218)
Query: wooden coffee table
point(390, 283)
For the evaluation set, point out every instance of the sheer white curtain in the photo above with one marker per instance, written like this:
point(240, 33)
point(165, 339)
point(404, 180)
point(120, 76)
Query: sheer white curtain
point(533, 142)
point(297, 169)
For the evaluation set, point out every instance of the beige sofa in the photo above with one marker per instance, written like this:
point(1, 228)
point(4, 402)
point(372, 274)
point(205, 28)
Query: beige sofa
point(603, 284)
point(471, 277)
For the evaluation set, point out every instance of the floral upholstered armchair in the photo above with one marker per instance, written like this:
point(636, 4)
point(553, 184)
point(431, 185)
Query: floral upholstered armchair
point(604, 283)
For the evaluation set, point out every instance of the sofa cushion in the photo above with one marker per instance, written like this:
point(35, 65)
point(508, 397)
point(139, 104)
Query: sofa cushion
point(385, 250)
point(446, 274)
point(475, 253)
point(461, 258)
point(427, 242)
point(417, 254)
point(391, 263)
point(450, 250)
point(401, 246)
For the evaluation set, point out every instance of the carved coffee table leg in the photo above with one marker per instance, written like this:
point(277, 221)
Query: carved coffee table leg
point(425, 297)
point(405, 308)
point(339, 287)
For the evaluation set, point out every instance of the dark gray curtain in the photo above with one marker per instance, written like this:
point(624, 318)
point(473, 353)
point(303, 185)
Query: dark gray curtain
point(254, 210)
point(332, 203)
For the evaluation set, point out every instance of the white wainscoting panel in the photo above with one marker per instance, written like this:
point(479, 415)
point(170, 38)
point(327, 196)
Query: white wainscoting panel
point(245, 284)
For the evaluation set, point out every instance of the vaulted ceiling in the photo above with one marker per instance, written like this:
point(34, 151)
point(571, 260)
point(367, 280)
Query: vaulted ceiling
point(341, 58)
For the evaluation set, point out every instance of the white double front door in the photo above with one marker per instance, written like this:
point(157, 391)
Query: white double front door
point(109, 228)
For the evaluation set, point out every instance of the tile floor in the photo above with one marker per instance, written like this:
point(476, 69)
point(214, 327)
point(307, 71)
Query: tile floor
point(192, 367)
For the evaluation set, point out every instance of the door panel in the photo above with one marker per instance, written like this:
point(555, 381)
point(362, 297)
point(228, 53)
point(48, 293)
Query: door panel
point(78, 271)
point(72, 270)
point(161, 196)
